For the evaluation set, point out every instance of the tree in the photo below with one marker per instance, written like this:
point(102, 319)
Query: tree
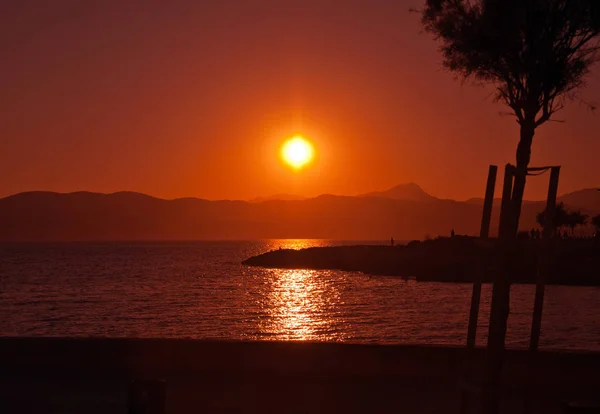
point(536, 53)
point(574, 219)
point(596, 223)
point(561, 217)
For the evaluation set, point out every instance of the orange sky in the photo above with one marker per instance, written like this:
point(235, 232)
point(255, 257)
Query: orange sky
point(191, 98)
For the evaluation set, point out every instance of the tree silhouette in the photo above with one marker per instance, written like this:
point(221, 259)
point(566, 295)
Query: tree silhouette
point(596, 223)
point(574, 219)
point(561, 218)
point(535, 52)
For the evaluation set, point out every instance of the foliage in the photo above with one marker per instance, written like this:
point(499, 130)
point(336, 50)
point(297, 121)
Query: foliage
point(596, 222)
point(563, 218)
point(575, 218)
point(536, 52)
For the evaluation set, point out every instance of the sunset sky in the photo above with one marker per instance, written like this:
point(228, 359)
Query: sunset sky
point(194, 98)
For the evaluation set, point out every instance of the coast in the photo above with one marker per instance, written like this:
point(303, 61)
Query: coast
point(460, 259)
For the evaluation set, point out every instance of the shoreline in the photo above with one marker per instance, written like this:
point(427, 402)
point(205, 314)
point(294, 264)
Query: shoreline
point(461, 259)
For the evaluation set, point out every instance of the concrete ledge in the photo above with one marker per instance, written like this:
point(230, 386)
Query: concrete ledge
point(71, 375)
point(177, 357)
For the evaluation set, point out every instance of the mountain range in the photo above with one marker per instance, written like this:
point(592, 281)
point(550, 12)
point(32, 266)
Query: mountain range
point(403, 212)
point(409, 191)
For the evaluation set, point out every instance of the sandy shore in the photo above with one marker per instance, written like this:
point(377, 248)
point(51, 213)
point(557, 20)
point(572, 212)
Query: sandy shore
point(93, 375)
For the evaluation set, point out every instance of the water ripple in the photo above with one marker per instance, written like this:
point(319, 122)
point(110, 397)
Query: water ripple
point(199, 290)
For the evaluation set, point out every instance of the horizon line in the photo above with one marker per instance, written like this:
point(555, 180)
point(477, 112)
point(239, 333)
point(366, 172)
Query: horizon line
point(263, 199)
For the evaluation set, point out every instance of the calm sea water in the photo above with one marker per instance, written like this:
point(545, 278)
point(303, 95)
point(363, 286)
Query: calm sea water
point(200, 290)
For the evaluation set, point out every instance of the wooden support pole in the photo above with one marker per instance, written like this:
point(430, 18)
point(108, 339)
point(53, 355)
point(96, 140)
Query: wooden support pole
point(476, 294)
point(540, 287)
point(488, 202)
point(483, 234)
point(506, 207)
point(500, 300)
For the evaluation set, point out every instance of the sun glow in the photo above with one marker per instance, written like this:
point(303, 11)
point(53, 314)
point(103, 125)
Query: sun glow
point(297, 152)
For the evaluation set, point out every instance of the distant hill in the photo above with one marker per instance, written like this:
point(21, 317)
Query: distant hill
point(285, 197)
point(410, 191)
point(588, 199)
point(83, 216)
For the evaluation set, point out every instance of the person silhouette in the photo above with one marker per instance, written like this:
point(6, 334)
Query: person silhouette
point(392, 241)
point(452, 233)
point(532, 233)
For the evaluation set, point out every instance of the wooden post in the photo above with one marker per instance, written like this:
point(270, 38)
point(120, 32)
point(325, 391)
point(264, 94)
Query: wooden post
point(488, 203)
point(506, 207)
point(500, 300)
point(476, 294)
point(483, 234)
point(540, 287)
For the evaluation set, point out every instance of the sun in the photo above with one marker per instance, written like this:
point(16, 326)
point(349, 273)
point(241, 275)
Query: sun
point(297, 152)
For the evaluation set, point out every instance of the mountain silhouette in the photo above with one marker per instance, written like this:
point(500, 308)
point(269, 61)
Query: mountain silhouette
point(285, 197)
point(409, 191)
point(85, 216)
point(587, 199)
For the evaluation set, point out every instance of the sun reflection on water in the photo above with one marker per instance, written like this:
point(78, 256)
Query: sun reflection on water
point(296, 244)
point(300, 306)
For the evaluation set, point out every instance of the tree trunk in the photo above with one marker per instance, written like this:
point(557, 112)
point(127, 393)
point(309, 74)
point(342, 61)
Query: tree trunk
point(523, 158)
point(500, 307)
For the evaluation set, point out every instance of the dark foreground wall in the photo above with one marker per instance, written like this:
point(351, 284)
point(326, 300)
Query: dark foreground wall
point(92, 375)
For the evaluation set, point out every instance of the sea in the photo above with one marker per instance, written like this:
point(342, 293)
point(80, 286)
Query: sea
point(201, 290)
